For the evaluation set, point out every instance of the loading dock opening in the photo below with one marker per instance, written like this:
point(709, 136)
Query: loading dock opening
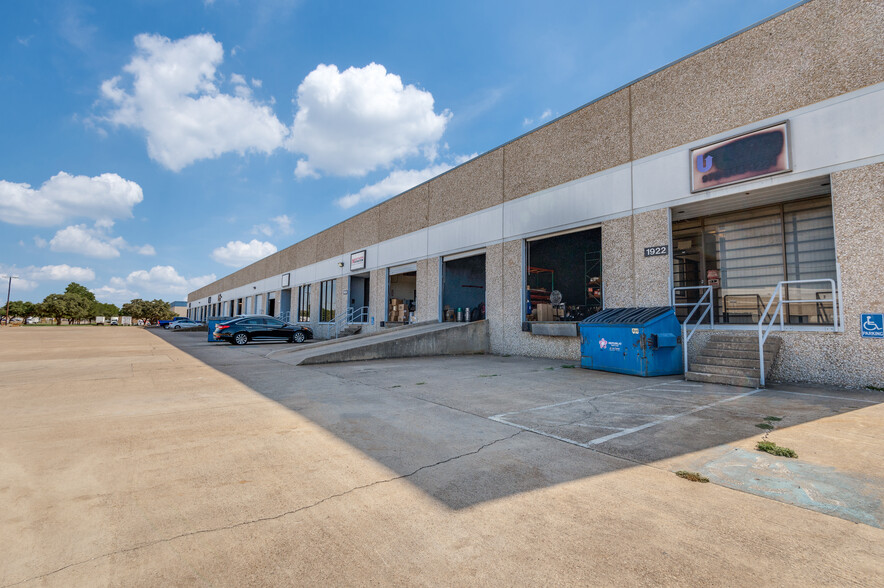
point(463, 286)
point(401, 293)
point(564, 276)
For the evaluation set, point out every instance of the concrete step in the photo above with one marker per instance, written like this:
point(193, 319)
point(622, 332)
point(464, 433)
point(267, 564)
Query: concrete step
point(731, 361)
point(745, 381)
point(735, 354)
point(725, 370)
point(769, 347)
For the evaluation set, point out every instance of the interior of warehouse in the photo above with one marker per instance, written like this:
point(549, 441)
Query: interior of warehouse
point(564, 276)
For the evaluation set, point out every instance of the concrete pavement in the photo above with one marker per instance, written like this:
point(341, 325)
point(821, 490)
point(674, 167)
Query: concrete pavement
point(127, 460)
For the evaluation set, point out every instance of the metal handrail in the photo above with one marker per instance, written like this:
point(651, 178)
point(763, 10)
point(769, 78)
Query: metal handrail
point(685, 334)
point(778, 311)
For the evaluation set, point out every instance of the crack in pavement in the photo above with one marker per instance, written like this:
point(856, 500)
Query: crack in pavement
point(264, 519)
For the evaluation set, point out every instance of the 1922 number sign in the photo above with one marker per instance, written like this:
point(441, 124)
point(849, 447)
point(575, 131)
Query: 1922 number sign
point(658, 250)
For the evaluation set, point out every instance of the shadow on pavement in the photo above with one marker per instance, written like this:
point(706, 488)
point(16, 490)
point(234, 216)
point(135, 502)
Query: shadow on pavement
point(476, 428)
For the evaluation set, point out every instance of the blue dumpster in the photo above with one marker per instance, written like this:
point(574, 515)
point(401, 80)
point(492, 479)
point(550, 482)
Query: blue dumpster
point(211, 322)
point(635, 341)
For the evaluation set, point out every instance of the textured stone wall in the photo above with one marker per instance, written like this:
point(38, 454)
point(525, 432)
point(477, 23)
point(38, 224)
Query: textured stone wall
point(494, 296)
point(503, 267)
point(474, 186)
point(342, 296)
point(651, 273)
point(427, 290)
point(618, 262)
point(587, 141)
point(377, 303)
point(817, 51)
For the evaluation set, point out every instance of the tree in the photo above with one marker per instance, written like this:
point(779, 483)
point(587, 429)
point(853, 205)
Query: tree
point(54, 305)
point(77, 289)
point(23, 309)
point(154, 310)
point(104, 309)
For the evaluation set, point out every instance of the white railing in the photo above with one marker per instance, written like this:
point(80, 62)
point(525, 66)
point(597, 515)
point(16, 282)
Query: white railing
point(687, 330)
point(332, 329)
point(778, 312)
point(284, 316)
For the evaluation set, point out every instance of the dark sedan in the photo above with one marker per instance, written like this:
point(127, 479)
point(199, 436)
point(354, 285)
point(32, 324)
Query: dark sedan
point(240, 331)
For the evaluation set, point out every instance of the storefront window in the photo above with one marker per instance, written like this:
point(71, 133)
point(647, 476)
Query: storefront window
point(564, 276)
point(304, 304)
point(327, 301)
point(744, 254)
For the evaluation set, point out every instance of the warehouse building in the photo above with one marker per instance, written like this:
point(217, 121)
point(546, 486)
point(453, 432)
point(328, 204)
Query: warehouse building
point(756, 161)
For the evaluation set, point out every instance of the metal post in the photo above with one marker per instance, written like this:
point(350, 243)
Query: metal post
point(8, 294)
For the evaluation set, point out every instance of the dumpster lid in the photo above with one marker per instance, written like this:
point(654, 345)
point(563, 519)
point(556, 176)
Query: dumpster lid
point(626, 316)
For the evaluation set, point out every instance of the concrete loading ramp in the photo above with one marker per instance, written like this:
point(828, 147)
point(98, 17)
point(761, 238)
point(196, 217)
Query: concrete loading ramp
point(419, 340)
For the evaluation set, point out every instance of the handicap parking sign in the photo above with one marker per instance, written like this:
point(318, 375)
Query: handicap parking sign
point(872, 325)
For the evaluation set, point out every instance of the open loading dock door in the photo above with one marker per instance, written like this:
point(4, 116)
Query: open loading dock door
point(401, 293)
point(463, 287)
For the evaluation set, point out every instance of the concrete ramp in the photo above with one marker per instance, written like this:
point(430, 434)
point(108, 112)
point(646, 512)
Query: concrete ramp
point(416, 341)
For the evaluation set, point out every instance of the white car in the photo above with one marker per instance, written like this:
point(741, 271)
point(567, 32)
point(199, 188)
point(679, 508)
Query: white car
point(185, 324)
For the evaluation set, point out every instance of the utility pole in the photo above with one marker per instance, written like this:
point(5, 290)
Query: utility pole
point(8, 292)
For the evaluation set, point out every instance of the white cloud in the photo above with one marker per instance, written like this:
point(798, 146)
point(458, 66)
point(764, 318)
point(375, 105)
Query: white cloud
point(282, 224)
point(397, 182)
point(355, 121)
point(40, 241)
point(63, 197)
point(94, 242)
point(85, 241)
point(543, 116)
point(31, 276)
point(238, 254)
point(160, 281)
point(175, 100)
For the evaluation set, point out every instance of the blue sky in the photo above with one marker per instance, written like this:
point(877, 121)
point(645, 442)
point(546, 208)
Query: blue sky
point(152, 146)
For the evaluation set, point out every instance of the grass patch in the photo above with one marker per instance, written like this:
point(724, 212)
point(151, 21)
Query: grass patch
point(771, 419)
point(397, 386)
point(487, 375)
point(765, 426)
point(506, 355)
point(568, 365)
point(420, 383)
point(875, 388)
point(774, 449)
point(550, 368)
point(691, 476)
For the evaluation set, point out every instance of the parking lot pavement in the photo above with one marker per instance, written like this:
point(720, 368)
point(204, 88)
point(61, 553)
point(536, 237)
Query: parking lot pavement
point(136, 457)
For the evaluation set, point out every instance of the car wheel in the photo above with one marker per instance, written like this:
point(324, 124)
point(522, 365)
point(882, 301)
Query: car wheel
point(240, 339)
point(298, 337)
point(176, 327)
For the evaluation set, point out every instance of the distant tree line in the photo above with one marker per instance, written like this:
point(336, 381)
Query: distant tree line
point(79, 304)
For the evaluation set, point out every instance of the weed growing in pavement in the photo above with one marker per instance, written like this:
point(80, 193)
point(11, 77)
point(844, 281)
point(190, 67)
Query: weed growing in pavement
point(567, 365)
point(766, 426)
point(771, 419)
point(397, 386)
point(487, 375)
point(691, 476)
point(875, 388)
point(774, 449)
point(550, 368)
point(420, 383)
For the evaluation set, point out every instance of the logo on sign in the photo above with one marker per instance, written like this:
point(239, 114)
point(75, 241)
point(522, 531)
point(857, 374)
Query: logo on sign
point(704, 164)
point(872, 325)
point(603, 343)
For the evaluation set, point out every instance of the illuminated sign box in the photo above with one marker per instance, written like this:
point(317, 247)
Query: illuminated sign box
point(761, 153)
point(357, 260)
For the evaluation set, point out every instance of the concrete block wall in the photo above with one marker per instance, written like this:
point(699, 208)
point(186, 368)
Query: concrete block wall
point(428, 289)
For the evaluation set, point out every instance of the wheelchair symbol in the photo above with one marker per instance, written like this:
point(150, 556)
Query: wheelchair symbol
point(871, 325)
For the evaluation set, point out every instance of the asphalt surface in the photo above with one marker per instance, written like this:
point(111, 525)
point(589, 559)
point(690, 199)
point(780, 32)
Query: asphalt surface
point(136, 457)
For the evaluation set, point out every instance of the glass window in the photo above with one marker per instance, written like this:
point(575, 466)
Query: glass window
point(744, 254)
point(327, 301)
point(273, 322)
point(304, 304)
